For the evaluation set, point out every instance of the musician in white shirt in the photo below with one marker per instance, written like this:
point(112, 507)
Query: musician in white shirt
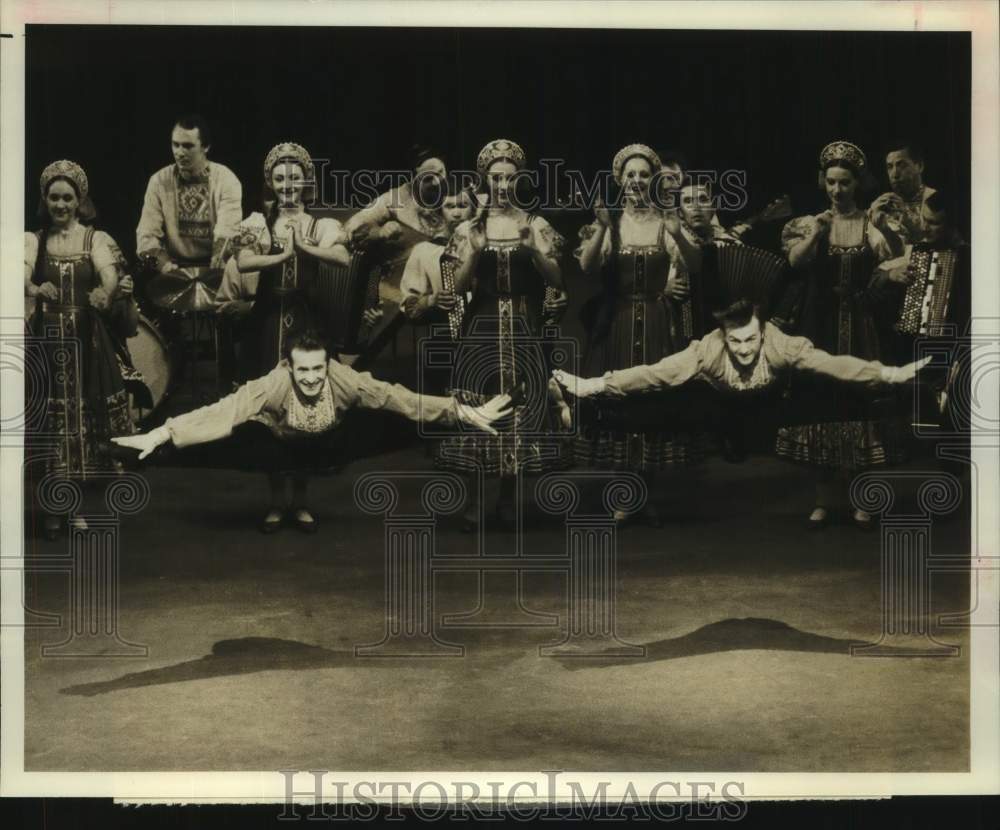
point(192, 207)
point(421, 285)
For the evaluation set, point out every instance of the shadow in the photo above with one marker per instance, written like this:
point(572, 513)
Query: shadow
point(744, 634)
point(249, 655)
point(230, 657)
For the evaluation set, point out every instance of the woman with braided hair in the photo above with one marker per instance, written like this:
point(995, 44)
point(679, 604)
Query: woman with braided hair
point(285, 244)
point(835, 254)
point(642, 317)
point(509, 259)
point(73, 274)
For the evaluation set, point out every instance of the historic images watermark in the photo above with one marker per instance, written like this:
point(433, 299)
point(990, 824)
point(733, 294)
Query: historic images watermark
point(552, 185)
point(551, 795)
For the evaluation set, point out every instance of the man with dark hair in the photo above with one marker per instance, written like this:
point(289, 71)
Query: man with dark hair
point(904, 165)
point(939, 256)
point(673, 180)
point(414, 204)
point(743, 354)
point(192, 207)
point(288, 423)
point(699, 219)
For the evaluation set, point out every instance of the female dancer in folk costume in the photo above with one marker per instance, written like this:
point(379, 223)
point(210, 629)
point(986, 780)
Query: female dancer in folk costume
point(73, 274)
point(286, 244)
point(510, 260)
point(642, 316)
point(835, 254)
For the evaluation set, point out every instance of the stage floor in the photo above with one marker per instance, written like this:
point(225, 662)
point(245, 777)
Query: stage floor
point(746, 617)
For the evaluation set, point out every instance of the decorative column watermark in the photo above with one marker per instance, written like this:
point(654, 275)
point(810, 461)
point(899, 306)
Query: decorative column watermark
point(906, 560)
point(94, 558)
point(592, 550)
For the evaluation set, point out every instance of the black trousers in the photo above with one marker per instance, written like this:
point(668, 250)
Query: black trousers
point(253, 447)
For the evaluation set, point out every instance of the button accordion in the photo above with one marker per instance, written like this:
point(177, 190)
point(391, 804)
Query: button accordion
point(925, 304)
point(342, 294)
point(457, 312)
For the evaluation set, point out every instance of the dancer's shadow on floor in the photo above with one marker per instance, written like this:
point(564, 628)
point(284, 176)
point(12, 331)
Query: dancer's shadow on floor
point(749, 633)
point(255, 654)
point(230, 657)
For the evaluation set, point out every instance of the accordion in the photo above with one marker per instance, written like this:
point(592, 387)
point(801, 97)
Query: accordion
point(448, 266)
point(342, 294)
point(744, 272)
point(925, 304)
point(730, 273)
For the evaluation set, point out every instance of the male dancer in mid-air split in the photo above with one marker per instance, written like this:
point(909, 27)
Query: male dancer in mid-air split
point(743, 355)
point(289, 421)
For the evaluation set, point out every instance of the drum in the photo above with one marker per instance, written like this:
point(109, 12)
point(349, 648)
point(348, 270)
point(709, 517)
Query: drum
point(151, 358)
point(191, 288)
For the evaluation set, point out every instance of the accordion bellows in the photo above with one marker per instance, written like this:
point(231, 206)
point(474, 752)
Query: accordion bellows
point(745, 272)
point(735, 272)
point(342, 294)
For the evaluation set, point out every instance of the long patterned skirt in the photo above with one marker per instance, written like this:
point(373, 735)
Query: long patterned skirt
point(634, 435)
point(499, 354)
point(87, 402)
point(848, 434)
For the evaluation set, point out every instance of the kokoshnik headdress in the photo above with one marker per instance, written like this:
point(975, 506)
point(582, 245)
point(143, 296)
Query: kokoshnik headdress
point(500, 150)
point(631, 151)
point(288, 151)
point(65, 169)
point(842, 151)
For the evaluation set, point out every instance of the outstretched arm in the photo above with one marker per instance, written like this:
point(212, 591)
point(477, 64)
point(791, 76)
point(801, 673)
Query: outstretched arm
point(805, 357)
point(396, 398)
point(210, 423)
point(674, 370)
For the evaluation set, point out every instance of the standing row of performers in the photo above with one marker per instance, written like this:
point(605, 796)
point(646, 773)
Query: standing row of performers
point(492, 272)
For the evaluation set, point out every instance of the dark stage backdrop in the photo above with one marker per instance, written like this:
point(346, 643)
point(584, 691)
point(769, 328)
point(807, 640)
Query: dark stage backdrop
point(765, 102)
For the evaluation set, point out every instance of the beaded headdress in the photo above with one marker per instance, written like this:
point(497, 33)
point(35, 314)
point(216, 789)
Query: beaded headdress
point(65, 169)
point(631, 151)
point(499, 150)
point(288, 151)
point(842, 151)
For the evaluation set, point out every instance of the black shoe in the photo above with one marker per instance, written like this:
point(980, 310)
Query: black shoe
point(268, 527)
point(623, 518)
point(51, 527)
point(469, 522)
point(305, 525)
point(865, 522)
point(819, 523)
point(506, 515)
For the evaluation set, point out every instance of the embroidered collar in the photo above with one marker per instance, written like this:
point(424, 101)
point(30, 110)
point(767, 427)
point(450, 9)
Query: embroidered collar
point(760, 376)
point(317, 415)
point(196, 178)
